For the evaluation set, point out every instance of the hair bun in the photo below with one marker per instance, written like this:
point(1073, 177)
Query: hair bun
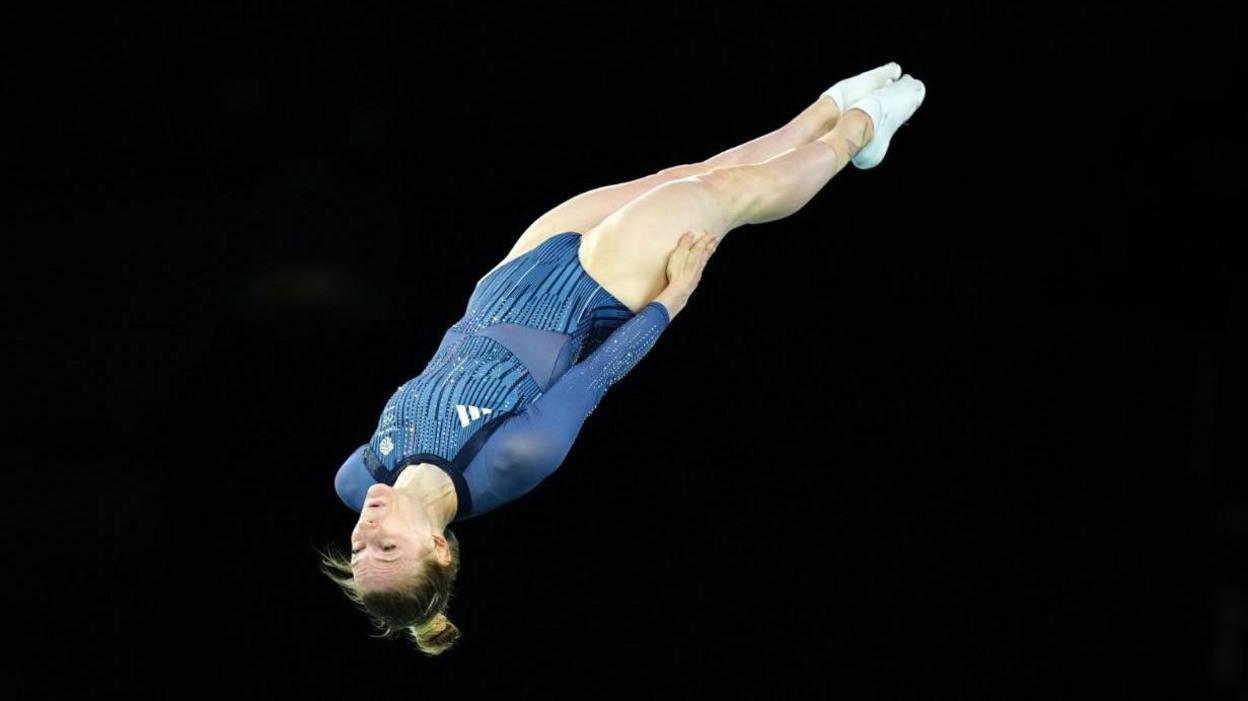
point(437, 635)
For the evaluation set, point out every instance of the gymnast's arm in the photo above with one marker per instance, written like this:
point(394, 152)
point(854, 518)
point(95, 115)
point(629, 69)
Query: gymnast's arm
point(532, 444)
point(529, 446)
point(684, 269)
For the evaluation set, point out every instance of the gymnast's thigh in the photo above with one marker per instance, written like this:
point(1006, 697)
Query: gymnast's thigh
point(628, 252)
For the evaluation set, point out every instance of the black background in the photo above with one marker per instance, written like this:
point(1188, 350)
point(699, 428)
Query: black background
point(957, 428)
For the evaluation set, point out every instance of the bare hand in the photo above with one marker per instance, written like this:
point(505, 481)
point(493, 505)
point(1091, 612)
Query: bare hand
point(684, 267)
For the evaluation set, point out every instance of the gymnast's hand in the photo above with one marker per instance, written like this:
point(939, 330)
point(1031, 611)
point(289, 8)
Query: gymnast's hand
point(684, 269)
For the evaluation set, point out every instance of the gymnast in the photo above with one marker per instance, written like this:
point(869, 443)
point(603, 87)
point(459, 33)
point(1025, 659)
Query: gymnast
point(576, 303)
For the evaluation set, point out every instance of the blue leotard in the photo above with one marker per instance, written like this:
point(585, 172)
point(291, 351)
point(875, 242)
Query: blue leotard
point(505, 394)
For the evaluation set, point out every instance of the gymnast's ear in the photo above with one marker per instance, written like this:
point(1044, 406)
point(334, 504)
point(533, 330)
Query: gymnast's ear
point(444, 553)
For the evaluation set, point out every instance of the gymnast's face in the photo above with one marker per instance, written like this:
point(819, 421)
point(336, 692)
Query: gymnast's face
point(391, 539)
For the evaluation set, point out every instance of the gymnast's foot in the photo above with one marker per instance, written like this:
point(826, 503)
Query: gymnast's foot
point(888, 108)
point(849, 90)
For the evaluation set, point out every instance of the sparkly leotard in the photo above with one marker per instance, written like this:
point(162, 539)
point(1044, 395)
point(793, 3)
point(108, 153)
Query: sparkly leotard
point(504, 396)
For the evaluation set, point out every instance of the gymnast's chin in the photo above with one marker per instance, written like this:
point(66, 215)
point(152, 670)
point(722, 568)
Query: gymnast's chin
point(404, 559)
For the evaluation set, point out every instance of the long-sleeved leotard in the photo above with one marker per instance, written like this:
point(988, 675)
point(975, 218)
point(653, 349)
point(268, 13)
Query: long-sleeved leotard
point(501, 402)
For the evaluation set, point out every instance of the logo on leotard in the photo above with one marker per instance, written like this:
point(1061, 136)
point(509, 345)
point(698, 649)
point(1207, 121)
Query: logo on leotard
point(387, 445)
point(469, 413)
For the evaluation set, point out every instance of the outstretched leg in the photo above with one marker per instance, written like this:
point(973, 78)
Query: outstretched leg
point(627, 252)
point(588, 209)
point(814, 121)
point(789, 180)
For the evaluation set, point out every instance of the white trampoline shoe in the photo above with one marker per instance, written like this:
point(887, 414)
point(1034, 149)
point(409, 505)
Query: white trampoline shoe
point(889, 107)
point(847, 91)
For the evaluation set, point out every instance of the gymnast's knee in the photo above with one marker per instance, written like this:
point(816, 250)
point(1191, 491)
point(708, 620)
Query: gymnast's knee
point(738, 190)
point(686, 170)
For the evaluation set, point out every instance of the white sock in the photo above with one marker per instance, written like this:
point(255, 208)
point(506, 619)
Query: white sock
point(889, 108)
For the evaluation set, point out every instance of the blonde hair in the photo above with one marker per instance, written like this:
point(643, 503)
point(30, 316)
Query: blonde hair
point(417, 605)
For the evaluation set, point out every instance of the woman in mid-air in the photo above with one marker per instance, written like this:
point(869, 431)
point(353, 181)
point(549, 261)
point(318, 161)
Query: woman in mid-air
point(579, 299)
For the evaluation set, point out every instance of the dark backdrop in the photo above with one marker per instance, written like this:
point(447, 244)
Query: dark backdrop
point(237, 227)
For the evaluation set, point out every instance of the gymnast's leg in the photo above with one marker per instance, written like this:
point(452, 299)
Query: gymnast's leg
point(628, 251)
point(815, 121)
point(586, 210)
